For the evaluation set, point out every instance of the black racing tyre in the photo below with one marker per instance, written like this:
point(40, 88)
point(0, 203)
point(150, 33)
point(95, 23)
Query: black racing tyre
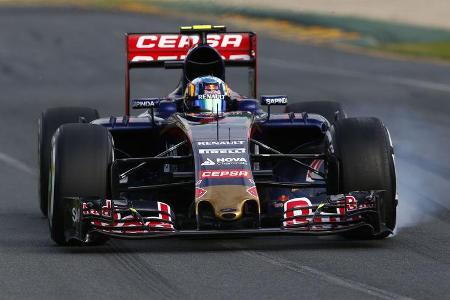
point(80, 161)
point(365, 156)
point(331, 110)
point(49, 121)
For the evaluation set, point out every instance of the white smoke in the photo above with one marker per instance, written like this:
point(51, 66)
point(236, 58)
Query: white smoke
point(420, 190)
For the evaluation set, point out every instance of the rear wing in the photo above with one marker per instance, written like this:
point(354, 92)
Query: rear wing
point(168, 50)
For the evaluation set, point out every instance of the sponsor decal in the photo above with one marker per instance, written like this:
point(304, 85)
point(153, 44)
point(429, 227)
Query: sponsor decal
point(351, 203)
point(141, 58)
point(316, 165)
point(199, 192)
point(212, 88)
point(220, 143)
point(164, 47)
point(231, 161)
point(211, 97)
point(281, 100)
point(225, 174)
point(225, 161)
point(211, 92)
point(253, 191)
point(283, 198)
point(208, 162)
point(161, 219)
point(175, 41)
point(221, 151)
point(75, 215)
point(294, 209)
point(106, 210)
point(277, 204)
point(274, 100)
point(145, 103)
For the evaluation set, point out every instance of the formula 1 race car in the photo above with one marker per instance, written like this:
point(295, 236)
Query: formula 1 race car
point(207, 161)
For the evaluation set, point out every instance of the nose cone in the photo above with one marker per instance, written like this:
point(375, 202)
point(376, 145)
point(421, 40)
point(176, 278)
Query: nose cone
point(228, 201)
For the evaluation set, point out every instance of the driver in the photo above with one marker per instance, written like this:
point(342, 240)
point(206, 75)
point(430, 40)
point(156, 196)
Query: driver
point(207, 94)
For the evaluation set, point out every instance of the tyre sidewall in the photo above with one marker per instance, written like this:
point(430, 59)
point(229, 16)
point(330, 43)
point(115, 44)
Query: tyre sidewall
point(48, 123)
point(80, 160)
point(364, 153)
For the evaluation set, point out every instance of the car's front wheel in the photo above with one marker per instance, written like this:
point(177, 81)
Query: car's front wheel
point(365, 158)
point(49, 122)
point(80, 158)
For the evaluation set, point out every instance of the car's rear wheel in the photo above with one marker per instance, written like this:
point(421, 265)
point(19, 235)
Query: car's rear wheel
point(49, 122)
point(80, 159)
point(364, 153)
point(331, 110)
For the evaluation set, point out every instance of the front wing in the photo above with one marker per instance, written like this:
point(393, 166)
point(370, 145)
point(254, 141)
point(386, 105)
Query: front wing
point(141, 219)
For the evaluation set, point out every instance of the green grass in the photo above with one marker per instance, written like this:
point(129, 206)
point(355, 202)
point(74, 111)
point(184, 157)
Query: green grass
point(440, 50)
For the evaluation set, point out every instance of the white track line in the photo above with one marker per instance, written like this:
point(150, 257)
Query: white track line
point(417, 83)
point(17, 164)
point(306, 270)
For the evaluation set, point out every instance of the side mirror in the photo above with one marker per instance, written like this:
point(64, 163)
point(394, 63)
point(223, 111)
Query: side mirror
point(270, 100)
point(150, 103)
point(250, 105)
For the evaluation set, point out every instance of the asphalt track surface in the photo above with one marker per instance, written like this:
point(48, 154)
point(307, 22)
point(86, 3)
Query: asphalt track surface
point(52, 57)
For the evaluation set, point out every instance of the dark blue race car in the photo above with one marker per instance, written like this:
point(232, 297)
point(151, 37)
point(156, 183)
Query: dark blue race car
point(206, 160)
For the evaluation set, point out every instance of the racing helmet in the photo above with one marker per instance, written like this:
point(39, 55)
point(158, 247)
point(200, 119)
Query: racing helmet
point(207, 94)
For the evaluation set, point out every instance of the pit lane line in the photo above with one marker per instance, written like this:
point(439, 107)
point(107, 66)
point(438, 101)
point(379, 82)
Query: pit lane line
point(306, 270)
point(17, 164)
point(410, 82)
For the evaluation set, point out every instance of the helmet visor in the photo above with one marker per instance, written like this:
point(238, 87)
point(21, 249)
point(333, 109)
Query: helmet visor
point(210, 105)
